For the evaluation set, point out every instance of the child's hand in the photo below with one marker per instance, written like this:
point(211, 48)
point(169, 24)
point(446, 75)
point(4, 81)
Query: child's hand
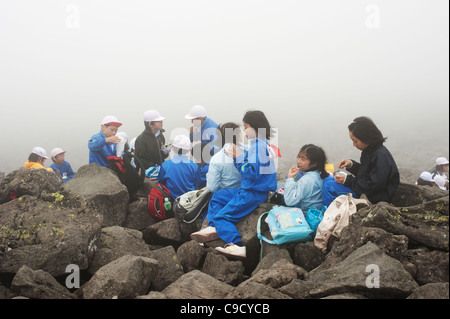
point(293, 171)
point(113, 139)
point(340, 178)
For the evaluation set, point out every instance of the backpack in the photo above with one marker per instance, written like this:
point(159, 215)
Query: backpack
point(336, 217)
point(156, 201)
point(188, 207)
point(286, 224)
point(314, 217)
point(131, 176)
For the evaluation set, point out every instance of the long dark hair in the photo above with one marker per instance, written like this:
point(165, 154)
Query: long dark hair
point(365, 130)
point(316, 155)
point(258, 121)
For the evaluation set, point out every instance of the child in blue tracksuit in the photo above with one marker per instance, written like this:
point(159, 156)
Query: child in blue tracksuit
point(179, 174)
point(60, 165)
point(258, 177)
point(103, 144)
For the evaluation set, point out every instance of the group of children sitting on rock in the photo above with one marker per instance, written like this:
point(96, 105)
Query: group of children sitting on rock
point(240, 176)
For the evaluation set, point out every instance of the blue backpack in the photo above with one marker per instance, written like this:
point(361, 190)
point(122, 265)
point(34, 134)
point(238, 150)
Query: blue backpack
point(286, 224)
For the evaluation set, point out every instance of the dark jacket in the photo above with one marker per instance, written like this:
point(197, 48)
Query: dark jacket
point(148, 148)
point(376, 176)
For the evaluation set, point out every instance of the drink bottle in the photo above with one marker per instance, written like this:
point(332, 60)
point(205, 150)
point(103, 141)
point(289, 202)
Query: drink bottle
point(167, 204)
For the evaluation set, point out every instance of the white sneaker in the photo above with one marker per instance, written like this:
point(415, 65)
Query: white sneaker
point(233, 250)
point(205, 235)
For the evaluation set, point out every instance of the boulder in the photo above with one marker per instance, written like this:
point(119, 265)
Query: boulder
point(412, 195)
point(218, 266)
point(101, 187)
point(169, 269)
point(367, 271)
point(253, 290)
point(271, 258)
point(115, 242)
point(280, 274)
point(191, 255)
point(197, 285)
point(308, 256)
point(138, 216)
point(47, 235)
point(38, 284)
point(424, 224)
point(124, 278)
point(355, 236)
point(431, 266)
point(164, 233)
point(33, 182)
point(431, 291)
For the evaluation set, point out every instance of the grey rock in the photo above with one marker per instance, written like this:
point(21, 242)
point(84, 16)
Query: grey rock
point(38, 284)
point(124, 278)
point(355, 274)
point(101, 187)
point(169, 269)
point(197, 285)
point(115, 242)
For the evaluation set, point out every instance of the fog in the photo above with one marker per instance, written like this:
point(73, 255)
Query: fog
point(310, 66)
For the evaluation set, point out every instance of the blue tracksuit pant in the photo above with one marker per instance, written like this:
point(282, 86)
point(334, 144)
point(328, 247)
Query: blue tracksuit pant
point(228, 207)
point(331, 190)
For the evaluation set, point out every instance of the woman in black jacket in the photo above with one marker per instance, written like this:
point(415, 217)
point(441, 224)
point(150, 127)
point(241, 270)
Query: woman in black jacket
point(376, 175)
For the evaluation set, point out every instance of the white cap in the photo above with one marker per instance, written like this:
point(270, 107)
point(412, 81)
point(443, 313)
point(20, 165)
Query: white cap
point(40, 151)
point(196, 112)
point(182, 141)
point(441, 161)
point(56, 151)
point(440, 181)
point(111, 120)
point(153, 116)
point(426, 176)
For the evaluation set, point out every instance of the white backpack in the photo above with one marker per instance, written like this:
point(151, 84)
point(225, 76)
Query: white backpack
point(336, 217)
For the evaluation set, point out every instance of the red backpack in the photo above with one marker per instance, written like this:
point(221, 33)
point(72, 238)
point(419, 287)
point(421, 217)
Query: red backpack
point(157, 201)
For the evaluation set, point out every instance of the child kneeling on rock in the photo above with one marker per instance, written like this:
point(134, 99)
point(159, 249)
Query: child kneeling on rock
point(227, 207)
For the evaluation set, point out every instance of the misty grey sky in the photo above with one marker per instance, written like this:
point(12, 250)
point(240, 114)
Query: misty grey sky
point(311, 66)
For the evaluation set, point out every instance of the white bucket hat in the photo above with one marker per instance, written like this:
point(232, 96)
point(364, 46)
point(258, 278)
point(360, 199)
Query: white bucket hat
point(56, 151)
point(40, 151)
point(111, 120)
point(183, 142)
point(440, 181)
point(196, 112)
point(153, 116)
point(441, 161)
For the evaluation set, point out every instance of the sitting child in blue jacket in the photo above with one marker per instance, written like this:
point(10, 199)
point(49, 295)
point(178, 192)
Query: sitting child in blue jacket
point(179, 174)
point(103, 144)
point(307, 191)
point(60, 165)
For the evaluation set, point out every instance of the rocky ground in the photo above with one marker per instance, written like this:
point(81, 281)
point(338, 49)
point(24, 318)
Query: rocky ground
point(88, 232)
